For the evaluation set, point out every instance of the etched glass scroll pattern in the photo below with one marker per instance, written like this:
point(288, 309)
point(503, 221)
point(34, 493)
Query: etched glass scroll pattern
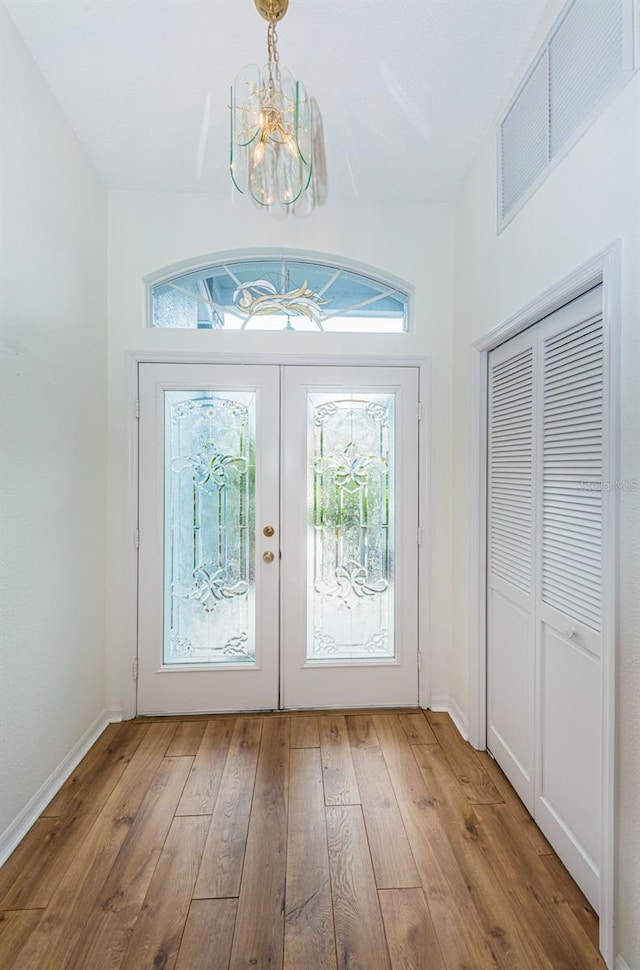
point(279, 293)
point(209, 585)
point(350, 544)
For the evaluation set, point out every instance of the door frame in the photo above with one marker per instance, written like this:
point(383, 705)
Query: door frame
point(603, 268)
point(129, 666)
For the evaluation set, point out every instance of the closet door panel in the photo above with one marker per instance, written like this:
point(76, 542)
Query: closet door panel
point(513, 630)
point(510, 606)
point(569, 586)
point(571, 577)
point(546, 451)
point(568, 803)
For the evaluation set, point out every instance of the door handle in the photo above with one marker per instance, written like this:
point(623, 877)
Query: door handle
point(268, 556)
point(268, 531)
point(569, 632)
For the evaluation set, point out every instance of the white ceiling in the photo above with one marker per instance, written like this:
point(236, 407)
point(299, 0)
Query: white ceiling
point(407, 89)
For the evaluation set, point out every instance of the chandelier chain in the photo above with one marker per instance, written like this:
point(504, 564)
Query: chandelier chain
point(272, 43)
point(274, 57)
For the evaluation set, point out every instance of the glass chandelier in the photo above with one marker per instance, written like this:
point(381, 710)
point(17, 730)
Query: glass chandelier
point(271, 125)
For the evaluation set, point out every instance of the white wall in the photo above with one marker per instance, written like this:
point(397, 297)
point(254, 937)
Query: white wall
point(55, 444)
point(149, 231)
point(587, 202)
point(53, 418)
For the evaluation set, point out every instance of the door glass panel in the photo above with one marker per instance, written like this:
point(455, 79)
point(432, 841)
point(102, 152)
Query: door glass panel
point(350, 535)
point(209, 514)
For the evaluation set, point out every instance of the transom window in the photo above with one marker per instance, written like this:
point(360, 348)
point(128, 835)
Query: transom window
point(279, 293)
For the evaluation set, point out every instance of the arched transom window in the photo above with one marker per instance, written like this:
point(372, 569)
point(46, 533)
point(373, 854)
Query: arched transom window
point(280, 293)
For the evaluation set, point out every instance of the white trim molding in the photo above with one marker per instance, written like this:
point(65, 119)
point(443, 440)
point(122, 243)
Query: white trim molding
point(605, 268)
point(17, 830)
point(425, 512)
point(621, 964)
point(448, 705)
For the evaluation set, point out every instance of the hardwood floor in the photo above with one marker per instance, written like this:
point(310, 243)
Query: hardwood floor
point(336, 841)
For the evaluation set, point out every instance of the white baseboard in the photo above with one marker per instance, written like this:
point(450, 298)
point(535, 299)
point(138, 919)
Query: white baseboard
point(442, 702)
point(621, 964)
point(17, 830)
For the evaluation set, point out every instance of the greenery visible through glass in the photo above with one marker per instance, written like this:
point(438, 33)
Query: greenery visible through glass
point(209, 570)
point(350, 543)
point(279, 294)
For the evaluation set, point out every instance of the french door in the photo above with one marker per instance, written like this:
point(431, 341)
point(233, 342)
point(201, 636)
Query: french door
point(278, 517)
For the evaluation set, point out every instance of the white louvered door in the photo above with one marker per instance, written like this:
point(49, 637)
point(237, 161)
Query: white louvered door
point(569, 587)
point(546, 420)
point(511, 587)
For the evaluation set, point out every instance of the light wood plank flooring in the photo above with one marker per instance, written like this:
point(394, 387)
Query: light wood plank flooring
point(337, 841)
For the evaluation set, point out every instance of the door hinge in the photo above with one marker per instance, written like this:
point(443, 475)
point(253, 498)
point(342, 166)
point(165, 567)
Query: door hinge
point(136, 539)
point(419, 660)
point(137, 408)
point(135, 668)
point(419, 410)
point(419, 535)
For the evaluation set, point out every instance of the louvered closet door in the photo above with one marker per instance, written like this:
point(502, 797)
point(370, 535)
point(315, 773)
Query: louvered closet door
point(569, 586)
point(545, 439)
point(511, 589)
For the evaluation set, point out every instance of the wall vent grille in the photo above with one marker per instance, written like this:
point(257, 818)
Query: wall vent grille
point(587, 56)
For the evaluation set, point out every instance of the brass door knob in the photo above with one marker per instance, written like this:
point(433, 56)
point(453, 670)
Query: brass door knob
point(268, 556)
point(268, 531)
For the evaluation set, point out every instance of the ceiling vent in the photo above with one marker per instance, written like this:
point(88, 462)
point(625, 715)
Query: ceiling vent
point(586, 58)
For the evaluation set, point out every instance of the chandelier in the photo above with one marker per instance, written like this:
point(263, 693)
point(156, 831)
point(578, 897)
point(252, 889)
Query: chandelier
point(271, 125)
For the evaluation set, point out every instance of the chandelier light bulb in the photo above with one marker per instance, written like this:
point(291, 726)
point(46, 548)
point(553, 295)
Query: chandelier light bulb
point(290, 145)
point(258, 153)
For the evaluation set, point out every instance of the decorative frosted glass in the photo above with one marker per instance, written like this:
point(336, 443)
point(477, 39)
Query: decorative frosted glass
point(350, 541)
point(209, 581)
point(175, 308)
point(279, 293)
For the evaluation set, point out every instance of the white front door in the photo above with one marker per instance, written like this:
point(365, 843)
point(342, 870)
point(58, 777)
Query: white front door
point(259, 589)
point(208, 489)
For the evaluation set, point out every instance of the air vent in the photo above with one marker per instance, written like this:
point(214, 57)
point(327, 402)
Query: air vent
point(588, 54)
point(585, 58)
point(525, 137)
